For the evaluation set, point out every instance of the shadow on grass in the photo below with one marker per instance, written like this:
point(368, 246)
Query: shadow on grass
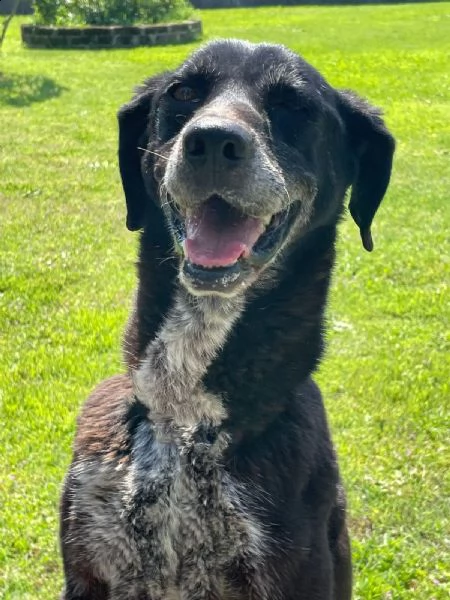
point(23, 90)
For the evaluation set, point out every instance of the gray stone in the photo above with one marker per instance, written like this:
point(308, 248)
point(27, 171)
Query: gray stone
point(114, 36)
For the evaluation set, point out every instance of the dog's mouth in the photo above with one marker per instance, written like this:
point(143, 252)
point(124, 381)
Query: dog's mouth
point(222, 246)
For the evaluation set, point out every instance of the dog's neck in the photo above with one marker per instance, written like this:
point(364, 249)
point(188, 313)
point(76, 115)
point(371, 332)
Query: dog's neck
point(234, 360)
point(169, 379)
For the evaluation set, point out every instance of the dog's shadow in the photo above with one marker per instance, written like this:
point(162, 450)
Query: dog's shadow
point(23, 90)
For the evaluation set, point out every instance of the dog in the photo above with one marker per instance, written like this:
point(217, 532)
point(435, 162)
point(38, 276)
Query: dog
point(207, 472)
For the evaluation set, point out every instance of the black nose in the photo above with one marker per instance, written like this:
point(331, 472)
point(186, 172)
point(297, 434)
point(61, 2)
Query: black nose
point(220, 145)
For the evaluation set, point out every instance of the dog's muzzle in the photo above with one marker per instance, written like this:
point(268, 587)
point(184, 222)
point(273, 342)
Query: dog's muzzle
point(225, 241)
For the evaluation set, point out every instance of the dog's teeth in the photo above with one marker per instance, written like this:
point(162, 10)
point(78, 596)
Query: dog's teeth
point(266, 220)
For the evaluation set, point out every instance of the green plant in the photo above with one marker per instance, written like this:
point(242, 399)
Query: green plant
point(156, 11)
point(47, 12)
point(109, 12)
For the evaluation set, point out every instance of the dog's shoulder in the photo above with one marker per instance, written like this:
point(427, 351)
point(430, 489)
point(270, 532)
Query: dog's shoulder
point(107, 420)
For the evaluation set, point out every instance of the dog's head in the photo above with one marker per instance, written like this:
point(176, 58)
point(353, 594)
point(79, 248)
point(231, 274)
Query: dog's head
point(246, 148)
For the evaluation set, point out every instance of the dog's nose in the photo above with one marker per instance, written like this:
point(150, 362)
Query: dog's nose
point(219, 145)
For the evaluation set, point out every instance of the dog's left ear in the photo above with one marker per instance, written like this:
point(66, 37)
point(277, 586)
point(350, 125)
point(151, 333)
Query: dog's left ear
point(133, 136)
point(372, 147)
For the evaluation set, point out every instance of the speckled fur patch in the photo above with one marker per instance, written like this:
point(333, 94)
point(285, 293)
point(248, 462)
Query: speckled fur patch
point(170, 522)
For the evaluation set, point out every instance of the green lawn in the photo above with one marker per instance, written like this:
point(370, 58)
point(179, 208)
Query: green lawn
point(67, 275)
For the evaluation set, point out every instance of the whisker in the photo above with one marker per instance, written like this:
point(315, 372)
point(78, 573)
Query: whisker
point(166, 259)
point(153, 152)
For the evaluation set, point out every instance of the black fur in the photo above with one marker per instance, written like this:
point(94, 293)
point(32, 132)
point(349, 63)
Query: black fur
point(279, 445)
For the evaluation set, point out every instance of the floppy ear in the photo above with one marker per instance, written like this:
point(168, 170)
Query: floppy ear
point(373, 148)
point(133, 135)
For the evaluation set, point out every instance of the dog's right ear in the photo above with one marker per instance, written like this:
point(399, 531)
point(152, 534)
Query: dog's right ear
point(133, 136)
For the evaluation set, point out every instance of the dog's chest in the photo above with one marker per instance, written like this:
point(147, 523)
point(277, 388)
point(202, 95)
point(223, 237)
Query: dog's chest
point(188, 520)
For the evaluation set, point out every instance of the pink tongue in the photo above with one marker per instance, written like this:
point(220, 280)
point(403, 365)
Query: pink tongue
point(217, 235)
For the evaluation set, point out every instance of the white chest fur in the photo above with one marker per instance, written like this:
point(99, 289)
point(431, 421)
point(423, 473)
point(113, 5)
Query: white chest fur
point(172, 523)
point(183, 522)
point(189, 519)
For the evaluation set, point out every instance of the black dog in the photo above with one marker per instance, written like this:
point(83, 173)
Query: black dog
point(208, 472)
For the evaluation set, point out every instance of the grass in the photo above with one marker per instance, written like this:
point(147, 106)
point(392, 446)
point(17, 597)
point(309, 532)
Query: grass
point(66, 266)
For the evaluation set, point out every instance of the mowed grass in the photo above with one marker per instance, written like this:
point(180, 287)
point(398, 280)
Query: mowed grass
point(67, 276)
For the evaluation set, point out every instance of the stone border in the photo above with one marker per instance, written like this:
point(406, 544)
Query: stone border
point(114, 36)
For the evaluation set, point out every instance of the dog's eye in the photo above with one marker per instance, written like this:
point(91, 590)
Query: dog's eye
point(281, 98)
point(186, 93)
